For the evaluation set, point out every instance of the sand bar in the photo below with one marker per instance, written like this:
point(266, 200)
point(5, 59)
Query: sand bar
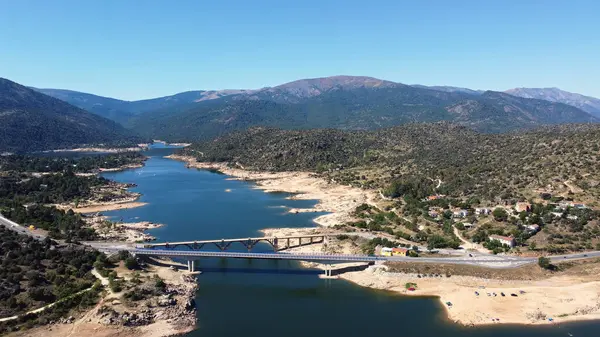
point(104, 207)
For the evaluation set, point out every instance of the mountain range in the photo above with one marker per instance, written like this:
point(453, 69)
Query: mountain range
point(341, 102)
point(31, 121)
point(586, 103)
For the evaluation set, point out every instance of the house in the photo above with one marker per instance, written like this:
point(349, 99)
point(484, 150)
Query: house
point(579, 206)
point(483, 211)
point(523, 207)
point(460, 213)
point(572, 217)
point(505, 240)
point(385, 251)
point(468, 225)
point(434, 214)
point(26, 206)
point(399, 252)
point(533, 228)
point(557, 214)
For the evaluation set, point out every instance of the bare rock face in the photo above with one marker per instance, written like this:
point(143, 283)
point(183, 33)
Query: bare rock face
point(167, 300)
point(109, 316)
point(176, 305)
point(190, 304)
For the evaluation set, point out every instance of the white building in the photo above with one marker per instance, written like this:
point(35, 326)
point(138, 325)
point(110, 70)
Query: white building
point(533, 228)
point(483, 211)
point(460, 214)
point(505, 240)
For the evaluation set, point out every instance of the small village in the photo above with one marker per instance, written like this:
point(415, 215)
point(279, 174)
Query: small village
point(547, 225)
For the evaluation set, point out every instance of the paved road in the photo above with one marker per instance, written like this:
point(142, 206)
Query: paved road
point(18, 228)
point(576, 256)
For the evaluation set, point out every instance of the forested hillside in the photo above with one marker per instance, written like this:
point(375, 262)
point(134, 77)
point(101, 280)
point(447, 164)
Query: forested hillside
point(31, 121)
point(37, 273)
point(468, 163)
point(29, 185)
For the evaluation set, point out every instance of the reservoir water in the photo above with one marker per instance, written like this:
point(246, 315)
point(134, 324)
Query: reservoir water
point(278, 298)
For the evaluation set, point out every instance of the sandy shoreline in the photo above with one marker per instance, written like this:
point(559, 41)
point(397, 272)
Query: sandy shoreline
point(102, 207)
point(140, 147)
point(340, 201)
point(121, 168)
point(131, 232)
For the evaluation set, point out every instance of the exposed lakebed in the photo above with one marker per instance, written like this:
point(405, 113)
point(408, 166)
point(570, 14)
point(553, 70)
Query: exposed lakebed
point(274, 298)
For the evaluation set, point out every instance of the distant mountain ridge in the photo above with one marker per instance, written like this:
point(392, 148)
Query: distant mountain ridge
point(343, 102)
point(450, 89)
point(586, 103)
point(122, 111)
point(31, 121)
point(360, 109)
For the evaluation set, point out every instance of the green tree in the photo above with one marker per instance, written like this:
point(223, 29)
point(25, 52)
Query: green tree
point(544, 262)
point(131, 263)
point(500, 214)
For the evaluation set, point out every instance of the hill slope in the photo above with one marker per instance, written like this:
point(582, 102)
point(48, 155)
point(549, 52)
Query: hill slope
point(588, 104)
point(31, 121)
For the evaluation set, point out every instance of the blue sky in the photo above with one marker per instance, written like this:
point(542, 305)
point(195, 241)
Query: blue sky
point(140, 49)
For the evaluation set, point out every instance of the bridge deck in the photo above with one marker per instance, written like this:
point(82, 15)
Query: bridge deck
point(262, 238)
point(268, 256)
point(321, 257)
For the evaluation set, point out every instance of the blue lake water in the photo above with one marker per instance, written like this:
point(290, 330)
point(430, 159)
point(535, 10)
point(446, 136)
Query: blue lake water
point(278, 298)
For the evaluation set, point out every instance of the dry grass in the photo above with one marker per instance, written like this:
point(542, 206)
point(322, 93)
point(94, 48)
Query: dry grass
point(522, 273)
point(582, 268)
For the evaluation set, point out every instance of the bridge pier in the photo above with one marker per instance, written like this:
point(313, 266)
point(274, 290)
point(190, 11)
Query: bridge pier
point(191, 266)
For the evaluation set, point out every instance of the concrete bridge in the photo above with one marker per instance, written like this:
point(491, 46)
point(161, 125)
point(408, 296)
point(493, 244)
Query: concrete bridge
point(277, 243)
point(327, 259)
point(193, 255)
